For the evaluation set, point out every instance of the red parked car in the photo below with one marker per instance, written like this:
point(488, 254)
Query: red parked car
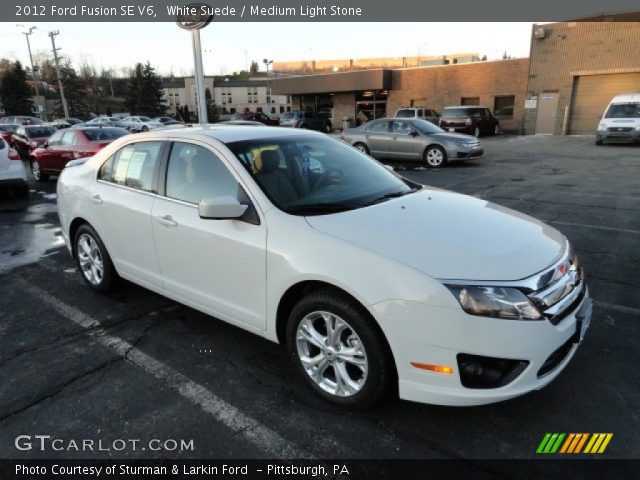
point(29, 137)
point(256, 117)
point(69, 144)
point(7, 130)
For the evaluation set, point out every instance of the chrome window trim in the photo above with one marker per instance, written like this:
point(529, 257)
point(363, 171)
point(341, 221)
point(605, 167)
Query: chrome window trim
point(117, 185)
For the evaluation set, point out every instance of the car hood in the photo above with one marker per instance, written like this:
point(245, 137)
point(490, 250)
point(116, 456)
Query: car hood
point(449, 236)
point(621, 122)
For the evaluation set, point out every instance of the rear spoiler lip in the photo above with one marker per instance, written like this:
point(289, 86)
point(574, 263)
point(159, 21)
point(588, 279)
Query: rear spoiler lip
point(76, 162)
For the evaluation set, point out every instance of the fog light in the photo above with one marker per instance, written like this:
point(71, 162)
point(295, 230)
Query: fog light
point(444, 369)
point(488, 372)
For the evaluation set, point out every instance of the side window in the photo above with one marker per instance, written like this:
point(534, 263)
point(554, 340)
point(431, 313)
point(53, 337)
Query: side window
point(196, 172)
point(420, 113)
point(401, 128)
point(133, 166)
point(69, 138)
point(379, 127)
point(476, 114)
point(308, 114)
point(55, 138)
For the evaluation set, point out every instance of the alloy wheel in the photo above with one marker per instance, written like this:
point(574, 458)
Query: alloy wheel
point(35, 169)
point(361, 148)
point(435, 157)
point(90, 259)
point(332, 353)
point(476, 132)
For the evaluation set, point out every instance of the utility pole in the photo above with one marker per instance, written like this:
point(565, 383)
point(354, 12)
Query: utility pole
point(57, 63)
point(33, 70)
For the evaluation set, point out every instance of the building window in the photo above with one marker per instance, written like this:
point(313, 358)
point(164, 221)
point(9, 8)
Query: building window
point(503, 106)
point(232, 110)
point(273, 109)
point(252, 94)
point(281, 109)
point(470, 101)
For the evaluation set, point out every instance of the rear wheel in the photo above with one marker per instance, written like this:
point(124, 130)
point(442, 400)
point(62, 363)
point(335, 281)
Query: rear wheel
point(362, 147)
point(476, 132)
point(145, 128)
point(496, 130)
point(37, 172)
point(338, 350)
point(94, 261)
point(435, 156)
point(598, 142)
point(327, 128)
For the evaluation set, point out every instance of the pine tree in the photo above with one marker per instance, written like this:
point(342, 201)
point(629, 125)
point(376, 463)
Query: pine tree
point(15, 92)
point(145, 95)
point(133, 89)
point(212, 110)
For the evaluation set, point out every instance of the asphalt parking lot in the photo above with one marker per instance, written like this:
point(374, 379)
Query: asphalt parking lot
point(134, 365)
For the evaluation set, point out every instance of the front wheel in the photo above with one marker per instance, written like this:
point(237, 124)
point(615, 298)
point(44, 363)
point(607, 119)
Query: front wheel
point(598, 142)
point(36, 170)
point(362, 148)
point(145, 129)
point(435, 156)
point(327, 128)
point(476, 132)
point(496, 130)
point(338, 350)
point(94, 261)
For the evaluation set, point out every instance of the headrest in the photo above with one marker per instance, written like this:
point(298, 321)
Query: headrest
point(267, 161)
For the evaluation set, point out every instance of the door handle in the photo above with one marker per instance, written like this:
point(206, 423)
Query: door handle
point(167, 221)
point(97, 199)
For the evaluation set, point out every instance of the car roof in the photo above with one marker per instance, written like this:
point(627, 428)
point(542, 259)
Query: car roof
point(228, 133)
point(626, 97)
point(463, 106)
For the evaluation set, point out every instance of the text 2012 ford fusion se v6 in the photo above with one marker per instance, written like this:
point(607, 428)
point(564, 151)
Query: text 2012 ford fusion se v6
point(371, 281)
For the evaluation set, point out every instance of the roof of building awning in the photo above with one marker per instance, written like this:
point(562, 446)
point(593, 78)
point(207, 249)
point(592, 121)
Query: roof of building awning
point(377, 79)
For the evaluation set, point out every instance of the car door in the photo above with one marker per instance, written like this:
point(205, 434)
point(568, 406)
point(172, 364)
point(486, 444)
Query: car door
point(121, 201)
point(63, 152)
point(47, 156)
point(218, 266)
point(377, 136)
point(404, 143)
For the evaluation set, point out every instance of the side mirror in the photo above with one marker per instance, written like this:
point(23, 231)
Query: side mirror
point(221, 208)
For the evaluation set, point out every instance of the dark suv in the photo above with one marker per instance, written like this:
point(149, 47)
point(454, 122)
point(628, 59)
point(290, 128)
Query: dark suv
point(472, 120)
point(300, 119)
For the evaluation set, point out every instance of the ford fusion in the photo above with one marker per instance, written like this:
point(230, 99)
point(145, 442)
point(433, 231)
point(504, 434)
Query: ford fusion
point(372, 282)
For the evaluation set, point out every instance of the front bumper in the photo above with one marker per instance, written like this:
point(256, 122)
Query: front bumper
point(465, 153)
point(616, 135)
point(436, 335)
point(14, 176)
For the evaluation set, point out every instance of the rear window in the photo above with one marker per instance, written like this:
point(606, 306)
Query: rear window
point(8, 128)
point(104, 134)
point(455, 112)
point(35, 132)
point(289, 115)
point(405, 113)
point(623, 110)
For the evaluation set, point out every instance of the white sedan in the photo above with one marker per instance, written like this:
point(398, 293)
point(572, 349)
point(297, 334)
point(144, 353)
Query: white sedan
point(13, 175)
point(140, 124)
point(372, 282)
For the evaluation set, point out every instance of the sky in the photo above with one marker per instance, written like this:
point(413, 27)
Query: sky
point(229, 47)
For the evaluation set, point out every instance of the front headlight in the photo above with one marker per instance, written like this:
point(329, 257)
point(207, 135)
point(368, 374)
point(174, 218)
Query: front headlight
point(602, 126)
point(498, 302)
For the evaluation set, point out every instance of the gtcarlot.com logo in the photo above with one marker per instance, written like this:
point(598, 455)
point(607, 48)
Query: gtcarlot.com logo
point(574, 443)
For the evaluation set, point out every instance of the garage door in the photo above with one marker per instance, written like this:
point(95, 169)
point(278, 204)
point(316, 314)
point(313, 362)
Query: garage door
point(592, 94)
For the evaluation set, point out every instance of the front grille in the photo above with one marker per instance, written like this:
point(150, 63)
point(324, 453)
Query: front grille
point(620, 129)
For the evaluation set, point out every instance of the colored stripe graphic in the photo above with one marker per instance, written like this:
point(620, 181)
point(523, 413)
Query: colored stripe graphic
point(573, 443)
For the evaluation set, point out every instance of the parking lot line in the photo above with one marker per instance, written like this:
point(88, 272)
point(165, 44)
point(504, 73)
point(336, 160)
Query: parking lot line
point(252, 430)
point(597, 227)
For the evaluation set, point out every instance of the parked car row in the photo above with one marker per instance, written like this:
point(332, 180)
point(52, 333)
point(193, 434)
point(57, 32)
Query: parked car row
point(473, 120)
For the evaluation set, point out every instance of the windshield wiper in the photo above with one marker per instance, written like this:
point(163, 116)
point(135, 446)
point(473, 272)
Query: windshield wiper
point(321, 207)
point(391, 195)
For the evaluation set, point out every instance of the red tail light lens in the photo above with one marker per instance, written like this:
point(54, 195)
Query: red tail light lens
point(467, 122)
point(13, 155)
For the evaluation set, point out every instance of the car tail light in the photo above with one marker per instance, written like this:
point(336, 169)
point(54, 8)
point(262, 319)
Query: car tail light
point(13, 155)
point(467, 122)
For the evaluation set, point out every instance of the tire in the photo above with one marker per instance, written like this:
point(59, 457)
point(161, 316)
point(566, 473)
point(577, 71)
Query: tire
point(22, 191)
point(88, 255)
point(327, 128)
point(354, 386)
point(598, 142)
point(476, 132)
point(496, 130)
point(144, 129)
point(361, 147)
point(37, 172)
point(434, 156)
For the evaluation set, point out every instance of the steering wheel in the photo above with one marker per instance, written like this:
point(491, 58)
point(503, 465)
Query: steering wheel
point(330, 177)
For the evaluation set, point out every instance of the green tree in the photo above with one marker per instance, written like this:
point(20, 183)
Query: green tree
point(212, 110)
point(183, 114)
point(15, 92)
point(253, 69)
point(145, 95)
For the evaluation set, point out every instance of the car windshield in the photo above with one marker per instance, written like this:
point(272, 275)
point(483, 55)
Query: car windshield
point(455, 113)
point(426, 127)
point(104, 134)
point(8, 128)
point(405, 113)
point(310, 175)
point(35, 132)
point(289, 115)
point(145, 119)
point(624, 110)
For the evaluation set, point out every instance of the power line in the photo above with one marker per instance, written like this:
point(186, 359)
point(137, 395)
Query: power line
point(57, 64)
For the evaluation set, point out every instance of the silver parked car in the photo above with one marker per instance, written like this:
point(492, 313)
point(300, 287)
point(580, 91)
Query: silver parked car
point(412, 139)
point(141, 124)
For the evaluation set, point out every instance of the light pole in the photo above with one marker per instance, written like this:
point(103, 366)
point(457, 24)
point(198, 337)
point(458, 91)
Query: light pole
point(33, 70)
point(56, 61)
point(267, 63)
point(194, 22)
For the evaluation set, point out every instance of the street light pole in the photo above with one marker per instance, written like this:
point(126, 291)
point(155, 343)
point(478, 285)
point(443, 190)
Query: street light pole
point(267, 63)
point(33, 70)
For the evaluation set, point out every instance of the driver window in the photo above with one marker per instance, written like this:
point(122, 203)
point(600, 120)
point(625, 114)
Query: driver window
point(379, 127)
point(195, 173)
point(401, 128)
point(55, 139)
point(69, 138)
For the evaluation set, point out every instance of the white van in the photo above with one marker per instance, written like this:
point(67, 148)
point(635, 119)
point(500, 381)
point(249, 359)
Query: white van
point(621, 120)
